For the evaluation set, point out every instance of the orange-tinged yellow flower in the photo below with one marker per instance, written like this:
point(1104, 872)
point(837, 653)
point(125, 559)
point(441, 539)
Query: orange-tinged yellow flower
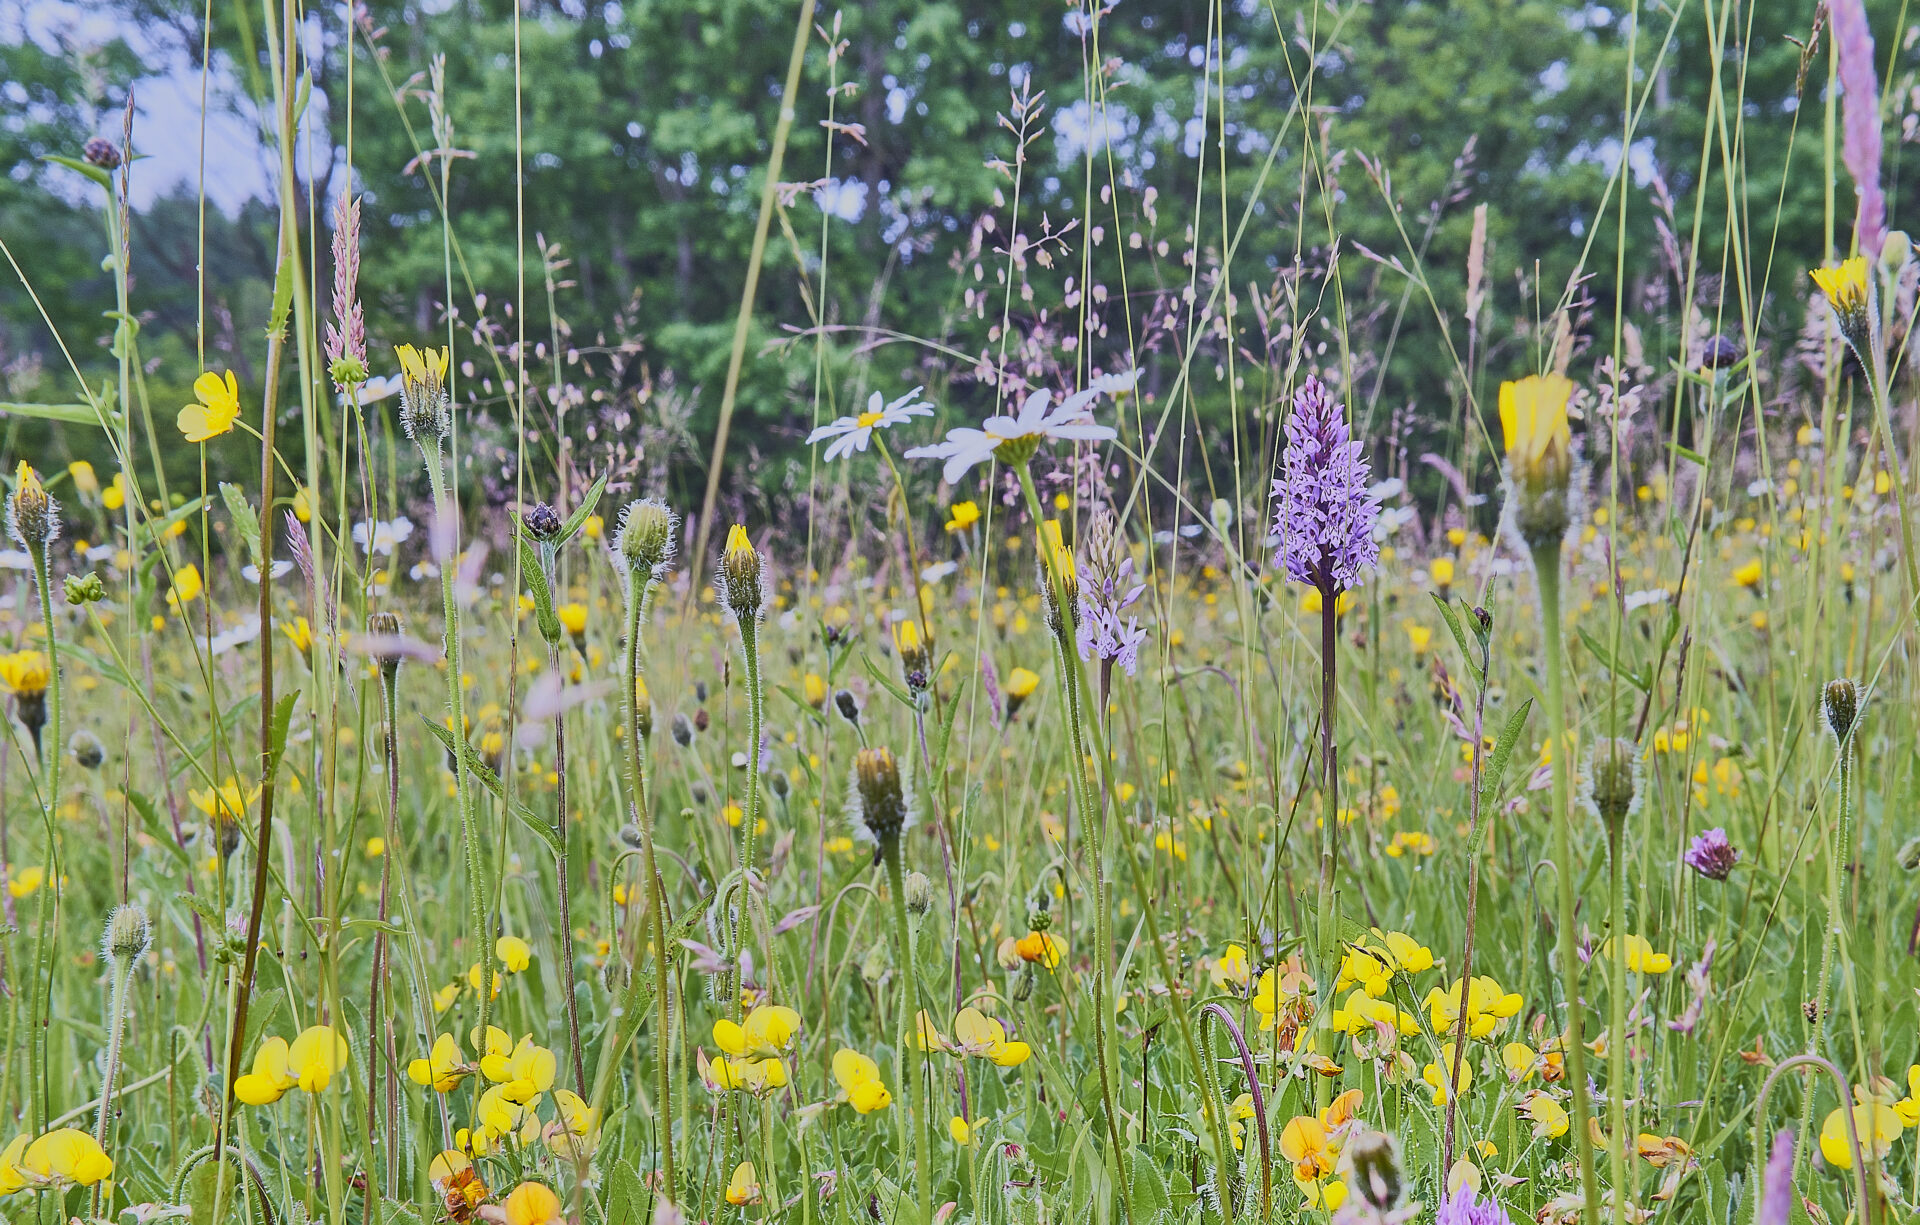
point(217, 407)
point(744, 1187)
point(1042, 948)
point(533, 1203)
point(1847, 293)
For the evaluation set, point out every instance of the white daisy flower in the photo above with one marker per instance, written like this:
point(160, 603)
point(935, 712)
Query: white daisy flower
point(386, 535)
point(1039, 420)
point(852, 434)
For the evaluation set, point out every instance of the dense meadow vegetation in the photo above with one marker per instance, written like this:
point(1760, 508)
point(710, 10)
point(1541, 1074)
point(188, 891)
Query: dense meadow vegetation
point(1347, 659)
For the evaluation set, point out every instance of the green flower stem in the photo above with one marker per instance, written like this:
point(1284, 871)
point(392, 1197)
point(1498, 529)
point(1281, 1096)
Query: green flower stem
point(639, 592)
point(750, 650)
point(909, 1028)
point(457, 711)
point(1546, 565)
point(1817, 1038)
point(1617, 1019)
point(116, 1033)
point(40, 1013)
point(1329, 902)
point(1073, 688)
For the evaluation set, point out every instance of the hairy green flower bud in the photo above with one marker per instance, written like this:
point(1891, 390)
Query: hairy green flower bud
point(128, 932)
point(1841, 703)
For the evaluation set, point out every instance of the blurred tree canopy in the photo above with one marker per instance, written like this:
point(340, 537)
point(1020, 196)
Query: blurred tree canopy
point(647, 128)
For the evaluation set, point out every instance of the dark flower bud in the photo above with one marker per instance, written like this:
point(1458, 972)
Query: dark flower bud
point(630, 835)
point(847, 705)
point(1720, 352)
point(777, 783)
point(882, 799)
point(1841, 701)
point(543, 522)
point(87, 749)
point(682, 730)
point(701, 719)
point(101, 152)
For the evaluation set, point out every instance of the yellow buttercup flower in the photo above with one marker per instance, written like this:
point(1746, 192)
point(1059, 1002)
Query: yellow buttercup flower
point(27, 881)
point(218, 407)
point(962, 515)
point(1533, 417)
point(186, 588)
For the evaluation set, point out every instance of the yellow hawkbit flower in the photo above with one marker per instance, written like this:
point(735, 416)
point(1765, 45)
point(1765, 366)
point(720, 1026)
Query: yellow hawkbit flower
point(1849, 294)
point(425, 406)
point(740, 574)
point(25, 673)
point(1533, 417)
point(216, 409)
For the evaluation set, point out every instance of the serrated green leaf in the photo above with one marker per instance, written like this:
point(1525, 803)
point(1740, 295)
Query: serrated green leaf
point(245, 520)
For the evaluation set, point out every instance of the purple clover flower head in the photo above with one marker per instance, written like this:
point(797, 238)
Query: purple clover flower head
point(1465, 1207)
point(1323, 513)
point(1712, 856)
point(1776, 1183)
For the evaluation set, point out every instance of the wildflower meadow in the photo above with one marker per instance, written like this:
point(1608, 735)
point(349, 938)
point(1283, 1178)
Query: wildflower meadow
point(1070, 670)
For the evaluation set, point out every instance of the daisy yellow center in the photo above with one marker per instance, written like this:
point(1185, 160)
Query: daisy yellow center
point(868, 420)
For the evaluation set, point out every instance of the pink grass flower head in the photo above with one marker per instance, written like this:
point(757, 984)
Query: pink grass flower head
point(347, 330)
point(1323, 514)
point(1860, 121)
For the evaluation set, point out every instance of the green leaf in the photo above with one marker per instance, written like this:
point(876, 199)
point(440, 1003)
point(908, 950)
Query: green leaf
point(69, 414)
point(578, 518)
point(1605, 657)
point(626, 1196)
point(886, 682)
point(154, 529)
point(282, 721)
point(1452, 619)
point(491, 781)
point(535, 577)
point(1497, 764)
point(99, 174)
point(282, 299)
point(1688, 453)
point(245, 520)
